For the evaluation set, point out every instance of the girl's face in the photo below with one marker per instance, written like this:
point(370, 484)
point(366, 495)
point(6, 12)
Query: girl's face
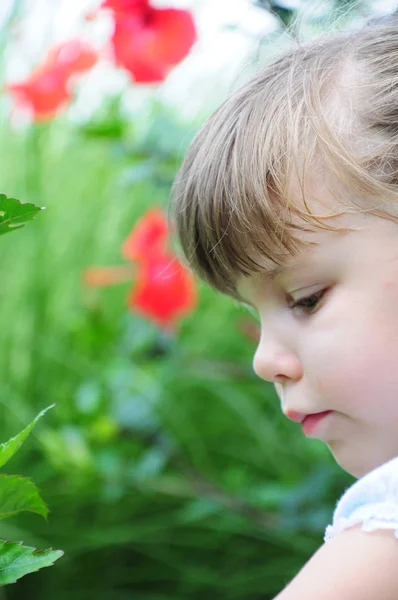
point(329, 337)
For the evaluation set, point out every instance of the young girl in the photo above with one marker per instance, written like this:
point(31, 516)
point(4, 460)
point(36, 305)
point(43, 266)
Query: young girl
point(288, 201)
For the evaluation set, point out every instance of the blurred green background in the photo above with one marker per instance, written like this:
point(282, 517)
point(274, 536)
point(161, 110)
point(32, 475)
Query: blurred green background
point(167, 466)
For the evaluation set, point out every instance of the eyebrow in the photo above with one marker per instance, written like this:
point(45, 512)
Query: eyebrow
point(290, 262)
point(272, 272)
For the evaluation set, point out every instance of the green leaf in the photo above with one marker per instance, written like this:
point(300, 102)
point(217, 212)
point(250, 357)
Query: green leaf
point(19, 494)
point(17, 560)
point(8, 449)
point(14, 214)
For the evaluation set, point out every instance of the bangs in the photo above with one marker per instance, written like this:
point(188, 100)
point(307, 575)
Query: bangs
point(232, 203)
point(234, 209)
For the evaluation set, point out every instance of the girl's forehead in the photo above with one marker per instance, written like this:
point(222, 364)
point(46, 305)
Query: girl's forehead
point(271, 271)
point(318, 248)
point(316, 196)
point(319, 205)
point(367, 239)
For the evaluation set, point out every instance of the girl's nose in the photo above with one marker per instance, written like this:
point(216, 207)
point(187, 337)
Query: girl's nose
point(276, 364)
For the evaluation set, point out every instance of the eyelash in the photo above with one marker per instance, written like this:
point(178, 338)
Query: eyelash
point(313, 298)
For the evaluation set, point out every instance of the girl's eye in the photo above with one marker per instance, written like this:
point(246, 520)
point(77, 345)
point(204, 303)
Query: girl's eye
point(309, 303)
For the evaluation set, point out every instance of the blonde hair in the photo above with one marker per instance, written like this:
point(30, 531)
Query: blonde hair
point(327, 108)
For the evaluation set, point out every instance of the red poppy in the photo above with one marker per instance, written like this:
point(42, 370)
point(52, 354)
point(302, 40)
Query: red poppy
point(118, 6)
point(149, 236)
point(47, 90)
point(164, 290)
point(44, 93)
point(124, 5)
point(73, 56)
point(149, 41)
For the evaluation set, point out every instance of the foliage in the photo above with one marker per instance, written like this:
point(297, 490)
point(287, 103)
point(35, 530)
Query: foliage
point(168, 467)
point(19, 494)
point(17, 560)
point(16, 495)
point(166, 463)
point(14, 214)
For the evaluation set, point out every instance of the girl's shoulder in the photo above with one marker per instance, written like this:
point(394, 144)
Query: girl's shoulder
point(372, 502)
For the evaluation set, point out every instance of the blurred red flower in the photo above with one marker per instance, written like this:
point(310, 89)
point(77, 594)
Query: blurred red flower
point(47, 90)
point(124, 5)
point(44, 93)
point(149, 236)
point(73, 56)
point(117, 6)
point(164, 290)
point(149, 41)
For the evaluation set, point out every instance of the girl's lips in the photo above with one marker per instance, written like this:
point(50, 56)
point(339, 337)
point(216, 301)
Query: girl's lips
point(310, 422)
point(296, 416)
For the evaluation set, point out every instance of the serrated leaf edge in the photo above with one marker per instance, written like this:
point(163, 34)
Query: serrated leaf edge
point(35, 552)
point(38, 493)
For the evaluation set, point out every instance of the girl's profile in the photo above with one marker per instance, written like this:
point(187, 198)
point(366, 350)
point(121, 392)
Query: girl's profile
point(287, 200)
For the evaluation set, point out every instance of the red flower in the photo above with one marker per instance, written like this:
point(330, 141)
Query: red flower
point(44, 93)
point(118, 6)
point(47, 89)
point(74, 56)
point(149, 41)
point(164, 290)
point(149, 236)
point(125, 5)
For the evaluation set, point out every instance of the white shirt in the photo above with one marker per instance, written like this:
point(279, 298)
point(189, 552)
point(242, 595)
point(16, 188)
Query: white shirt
point(372, 501)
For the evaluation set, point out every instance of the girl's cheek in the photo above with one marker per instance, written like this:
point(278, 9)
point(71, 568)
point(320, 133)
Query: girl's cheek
point(342, 368)
point(361, 376)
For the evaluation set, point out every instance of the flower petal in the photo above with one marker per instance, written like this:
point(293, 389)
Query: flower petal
point(125, 5)
point(149, 236)
point(149, 44)
point(44, 93)
point(164, 291)
point(73, 56)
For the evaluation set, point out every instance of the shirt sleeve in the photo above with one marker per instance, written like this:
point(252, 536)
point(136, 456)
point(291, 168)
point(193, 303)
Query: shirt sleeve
point(372, 501)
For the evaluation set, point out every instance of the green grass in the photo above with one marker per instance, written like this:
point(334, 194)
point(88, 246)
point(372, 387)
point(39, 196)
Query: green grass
point(168, 469)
